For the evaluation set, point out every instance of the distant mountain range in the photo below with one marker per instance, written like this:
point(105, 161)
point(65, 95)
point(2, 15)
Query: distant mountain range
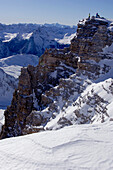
point(32, 38)
point(23, 44)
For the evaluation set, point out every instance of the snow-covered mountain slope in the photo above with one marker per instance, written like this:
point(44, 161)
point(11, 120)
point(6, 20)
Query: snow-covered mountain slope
point(32, 38)
point(76, 148)
point(85, 97)
point(94, 105)
point(10, 69)
point(66, 39)
point(12, 65)
point(2, 117)
point(89, 100)
point(46, 37)
point(7, 85)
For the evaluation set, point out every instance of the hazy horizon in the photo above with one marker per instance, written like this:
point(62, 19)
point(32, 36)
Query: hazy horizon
point(52, 11)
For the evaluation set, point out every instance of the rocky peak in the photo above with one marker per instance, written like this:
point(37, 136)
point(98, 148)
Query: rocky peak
point(92, 35)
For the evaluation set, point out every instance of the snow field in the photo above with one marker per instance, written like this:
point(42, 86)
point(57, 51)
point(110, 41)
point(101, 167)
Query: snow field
point(74, 148)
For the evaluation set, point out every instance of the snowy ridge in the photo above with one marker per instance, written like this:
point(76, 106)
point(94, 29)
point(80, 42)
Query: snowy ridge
point(20, 44)
point(75, 147)
point(32, 38)
point(66, 39)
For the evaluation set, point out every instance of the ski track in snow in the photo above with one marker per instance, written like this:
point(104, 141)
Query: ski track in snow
point(70, 148)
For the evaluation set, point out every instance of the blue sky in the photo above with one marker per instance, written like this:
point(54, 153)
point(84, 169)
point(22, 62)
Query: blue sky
point(67, 12)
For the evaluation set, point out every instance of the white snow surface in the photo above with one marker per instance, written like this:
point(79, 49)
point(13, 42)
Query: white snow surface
point(12, 65)
point(7, 85)
point(78, 147)
point(9, 36)
point(66, 39)
point(2, 119)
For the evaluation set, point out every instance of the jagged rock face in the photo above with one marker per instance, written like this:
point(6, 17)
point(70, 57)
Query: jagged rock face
point(34, 81)
point(21, 106)
point(91, 38)
point(94, 63)
point(89, 69)
point(36, 89)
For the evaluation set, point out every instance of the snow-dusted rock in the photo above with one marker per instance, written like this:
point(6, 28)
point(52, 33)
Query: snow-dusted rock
point(34, 81)
point(94, 105)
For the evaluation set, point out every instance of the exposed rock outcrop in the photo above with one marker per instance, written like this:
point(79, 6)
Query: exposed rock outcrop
point(53, 86)
point(33, 81)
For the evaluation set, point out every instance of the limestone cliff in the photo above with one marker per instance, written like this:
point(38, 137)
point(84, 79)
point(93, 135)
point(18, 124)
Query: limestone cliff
point(49, 89)
point(33, 82)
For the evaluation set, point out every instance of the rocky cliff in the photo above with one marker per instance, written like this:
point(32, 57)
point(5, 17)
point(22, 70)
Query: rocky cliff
point(33, 82)
point(48, 92)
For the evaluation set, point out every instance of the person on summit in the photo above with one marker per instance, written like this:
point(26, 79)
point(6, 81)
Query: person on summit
point(89, 16)
point(97, 15)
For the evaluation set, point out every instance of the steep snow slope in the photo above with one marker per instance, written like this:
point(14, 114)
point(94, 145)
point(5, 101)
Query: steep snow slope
point(12, 65)
point(66, 39)
point(10, 69)
point(75, 147)
point(7, 85)
point(2, 117)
